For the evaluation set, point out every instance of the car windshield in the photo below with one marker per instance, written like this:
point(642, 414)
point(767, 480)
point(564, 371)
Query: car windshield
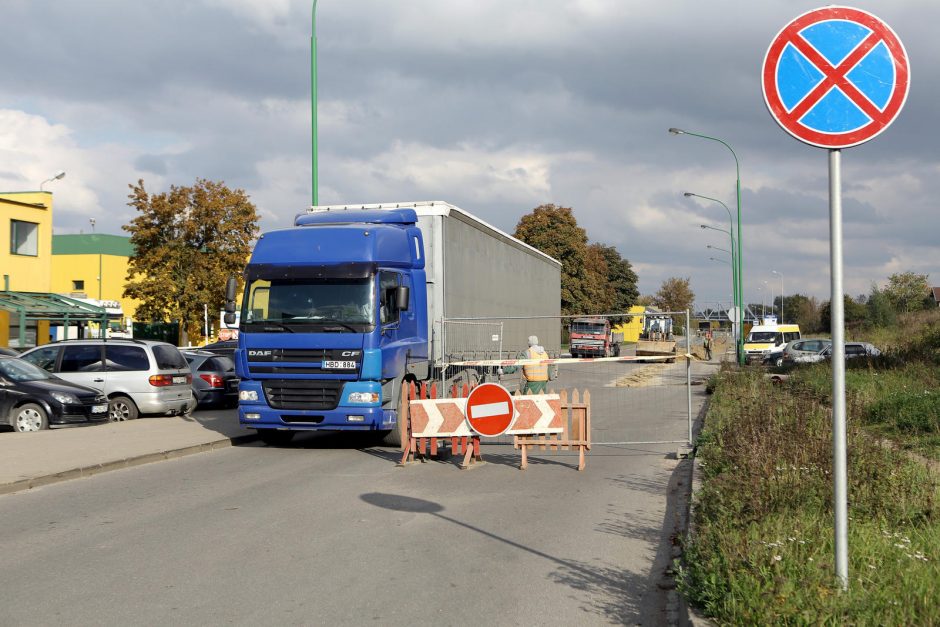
point(331, 305)
point(18, 370)
point(762, 337)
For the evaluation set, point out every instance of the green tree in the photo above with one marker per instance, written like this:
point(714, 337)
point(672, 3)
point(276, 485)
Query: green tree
point(880, 310)
point(907, 291)
point(187, 242)
point(800, 309)
point(555, 232)
point(854, 314)
point(620, 280)
point(599, 294)
point(675, 294)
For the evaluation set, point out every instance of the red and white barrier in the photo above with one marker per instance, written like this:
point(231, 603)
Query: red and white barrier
point(500, 363)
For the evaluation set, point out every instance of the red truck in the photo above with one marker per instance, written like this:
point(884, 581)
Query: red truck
point(593, 337)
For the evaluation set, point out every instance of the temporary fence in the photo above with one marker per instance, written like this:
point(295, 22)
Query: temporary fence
point(641, 393)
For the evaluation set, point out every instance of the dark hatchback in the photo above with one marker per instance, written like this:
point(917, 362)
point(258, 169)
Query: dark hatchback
point(31, 399)
point(215, 383)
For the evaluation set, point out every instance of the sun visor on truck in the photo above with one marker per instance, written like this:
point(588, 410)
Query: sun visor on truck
point(268, 271)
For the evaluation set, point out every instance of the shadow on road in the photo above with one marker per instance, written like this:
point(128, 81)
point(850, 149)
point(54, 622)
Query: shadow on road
point(611, 593)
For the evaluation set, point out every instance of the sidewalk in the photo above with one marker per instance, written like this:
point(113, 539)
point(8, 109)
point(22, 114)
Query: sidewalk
point(31, 460)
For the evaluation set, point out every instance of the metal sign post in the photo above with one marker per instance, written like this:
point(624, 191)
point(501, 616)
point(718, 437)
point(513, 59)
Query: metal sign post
point(836, 77)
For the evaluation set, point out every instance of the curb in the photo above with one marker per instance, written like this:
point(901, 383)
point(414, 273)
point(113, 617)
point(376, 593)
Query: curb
point(129, 462)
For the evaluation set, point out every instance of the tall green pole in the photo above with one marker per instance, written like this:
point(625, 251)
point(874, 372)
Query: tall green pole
point(740, 251)
point(313, 102)
point(734, 249)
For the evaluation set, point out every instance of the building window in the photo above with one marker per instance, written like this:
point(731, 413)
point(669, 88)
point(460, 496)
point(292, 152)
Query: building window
point(24, 238)
point(78, 286)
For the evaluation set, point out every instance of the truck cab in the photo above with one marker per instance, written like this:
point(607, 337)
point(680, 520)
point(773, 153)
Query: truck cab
point(329, 325)
point(593, 337)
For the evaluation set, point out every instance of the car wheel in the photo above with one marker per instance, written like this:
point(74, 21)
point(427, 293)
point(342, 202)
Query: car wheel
point(30, 417)
point(778, 361)
point(273, 437)
point(122, 408)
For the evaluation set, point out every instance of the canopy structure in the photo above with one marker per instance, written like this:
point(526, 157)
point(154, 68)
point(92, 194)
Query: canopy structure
point(21, 308)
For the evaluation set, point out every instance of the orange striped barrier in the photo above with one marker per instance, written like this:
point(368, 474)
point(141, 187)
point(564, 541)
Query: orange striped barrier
point(541, 420)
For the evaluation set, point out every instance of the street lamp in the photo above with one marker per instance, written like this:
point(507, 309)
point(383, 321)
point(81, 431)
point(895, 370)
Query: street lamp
point(313, 103)
point(740, 265)
point(55, 177)
point(781, 293)
point(737, 300)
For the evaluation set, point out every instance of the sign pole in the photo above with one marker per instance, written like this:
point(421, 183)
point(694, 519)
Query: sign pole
point(837, 324)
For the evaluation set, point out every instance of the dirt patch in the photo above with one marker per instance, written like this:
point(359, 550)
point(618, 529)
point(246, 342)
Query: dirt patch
point(648, 375)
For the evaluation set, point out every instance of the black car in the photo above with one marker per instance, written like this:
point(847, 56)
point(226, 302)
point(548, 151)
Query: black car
point(31, 399)
point(222, 347)
point(215, 383)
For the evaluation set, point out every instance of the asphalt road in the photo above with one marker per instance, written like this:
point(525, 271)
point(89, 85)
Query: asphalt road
point(327, 532)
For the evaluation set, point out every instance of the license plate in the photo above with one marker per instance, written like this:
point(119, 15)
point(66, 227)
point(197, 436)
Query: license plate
point(99, 409)
point(179, 380)
point(339, 365)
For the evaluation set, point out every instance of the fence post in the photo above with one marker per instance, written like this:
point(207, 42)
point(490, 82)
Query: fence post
point(688, 367)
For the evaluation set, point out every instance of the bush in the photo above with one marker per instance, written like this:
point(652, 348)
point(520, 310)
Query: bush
point(908, 411)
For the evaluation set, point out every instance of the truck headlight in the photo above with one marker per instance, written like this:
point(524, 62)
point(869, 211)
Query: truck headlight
point(363, 397)
point(248, 395)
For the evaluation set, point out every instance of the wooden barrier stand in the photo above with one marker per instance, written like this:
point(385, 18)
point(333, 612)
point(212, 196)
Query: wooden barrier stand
point(575, 434)
point(548, 421)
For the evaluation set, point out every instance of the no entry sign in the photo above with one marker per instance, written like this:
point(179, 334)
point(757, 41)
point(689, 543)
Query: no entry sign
point(489, 409)
point(835, 77)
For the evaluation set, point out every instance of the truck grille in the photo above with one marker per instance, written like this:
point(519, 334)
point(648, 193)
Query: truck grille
point(300, 394)
point(301, 360)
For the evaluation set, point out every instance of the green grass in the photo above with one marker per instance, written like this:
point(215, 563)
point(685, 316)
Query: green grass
point(762, 552)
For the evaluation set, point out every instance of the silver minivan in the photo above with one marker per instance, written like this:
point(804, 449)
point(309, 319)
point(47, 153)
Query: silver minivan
point(138, 376)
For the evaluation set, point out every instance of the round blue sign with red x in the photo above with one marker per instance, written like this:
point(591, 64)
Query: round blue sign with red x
point(835, 77)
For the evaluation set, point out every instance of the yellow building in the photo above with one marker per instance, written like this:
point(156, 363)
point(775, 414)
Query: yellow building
point(94, 267)
point(633, 325)
point(26, 241)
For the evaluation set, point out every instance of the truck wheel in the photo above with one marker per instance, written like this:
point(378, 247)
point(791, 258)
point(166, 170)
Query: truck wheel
point(273, 437)
point(616, 350)
point(391, 438)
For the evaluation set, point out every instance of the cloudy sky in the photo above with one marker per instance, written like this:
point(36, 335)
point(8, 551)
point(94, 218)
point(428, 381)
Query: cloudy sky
point(495, 106)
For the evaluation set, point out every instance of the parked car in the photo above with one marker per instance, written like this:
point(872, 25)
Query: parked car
point(215, 383)
point(222, 347)
point(31, 399)
point(798, 348)
point(138, 376)
point(852, 351)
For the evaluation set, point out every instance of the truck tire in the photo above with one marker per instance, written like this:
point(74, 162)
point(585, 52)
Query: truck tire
point(392, 438)
point(273, 437)
point(616, 350)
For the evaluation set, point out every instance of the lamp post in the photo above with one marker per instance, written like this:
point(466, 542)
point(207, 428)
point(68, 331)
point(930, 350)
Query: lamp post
point(313, 103)
point(737, 326)
point(740, 265)
point(55, 177)
point(781, 293)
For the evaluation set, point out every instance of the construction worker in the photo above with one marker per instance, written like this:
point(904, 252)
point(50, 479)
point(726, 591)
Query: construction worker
point(708, 345)
point(535, 375)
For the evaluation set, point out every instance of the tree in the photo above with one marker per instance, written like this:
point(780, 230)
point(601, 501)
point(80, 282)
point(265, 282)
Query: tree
point(187, 242)
point(854, 314)
point(802, 310)
point(620, 280)
point(674, 295)
point(880, 310)
point(599, 294)
point(907, 291)
point(554, 231)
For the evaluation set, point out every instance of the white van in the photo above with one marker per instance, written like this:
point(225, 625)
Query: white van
point(765, 342)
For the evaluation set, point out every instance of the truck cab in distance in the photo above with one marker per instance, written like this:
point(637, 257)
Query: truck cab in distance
point(593, 337)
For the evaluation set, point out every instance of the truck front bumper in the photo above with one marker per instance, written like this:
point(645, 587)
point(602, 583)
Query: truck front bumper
point(346, 416)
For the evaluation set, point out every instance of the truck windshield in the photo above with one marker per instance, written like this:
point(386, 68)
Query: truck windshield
point(321, 305)
point(587, 327)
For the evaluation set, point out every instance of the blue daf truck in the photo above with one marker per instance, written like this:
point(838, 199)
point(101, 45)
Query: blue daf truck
point(352, 302)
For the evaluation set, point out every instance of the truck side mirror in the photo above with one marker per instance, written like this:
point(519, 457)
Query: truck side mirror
point(401, 298)
point(230, 286)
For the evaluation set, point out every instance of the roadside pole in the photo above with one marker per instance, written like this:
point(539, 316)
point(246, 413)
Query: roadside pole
point(688, 367)
point(837, 324)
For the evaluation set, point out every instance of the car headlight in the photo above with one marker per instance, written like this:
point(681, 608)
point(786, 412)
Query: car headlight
point(363, 397)
point(65, 398)
point(248, 395)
